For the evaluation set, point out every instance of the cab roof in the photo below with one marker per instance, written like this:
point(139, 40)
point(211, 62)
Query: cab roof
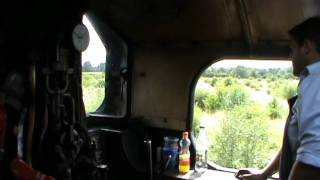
point(245, 24)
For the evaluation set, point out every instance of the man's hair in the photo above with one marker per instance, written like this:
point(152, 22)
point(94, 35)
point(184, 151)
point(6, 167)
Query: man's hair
point(307, 30)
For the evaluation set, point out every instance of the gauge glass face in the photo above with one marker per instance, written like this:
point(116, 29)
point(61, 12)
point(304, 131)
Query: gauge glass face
point(80, 37)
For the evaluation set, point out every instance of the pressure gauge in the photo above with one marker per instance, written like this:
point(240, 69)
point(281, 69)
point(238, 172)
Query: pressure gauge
point(80, 37)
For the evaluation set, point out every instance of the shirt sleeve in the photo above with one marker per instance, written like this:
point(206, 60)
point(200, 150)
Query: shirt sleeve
point(308, 151)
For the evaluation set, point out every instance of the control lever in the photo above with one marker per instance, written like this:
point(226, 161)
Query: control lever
point(148, 146)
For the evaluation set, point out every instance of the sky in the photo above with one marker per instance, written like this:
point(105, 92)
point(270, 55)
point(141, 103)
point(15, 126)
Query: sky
point(259, 64)
point(96, 52)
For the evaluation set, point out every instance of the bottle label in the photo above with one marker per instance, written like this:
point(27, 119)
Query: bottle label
point(184, 159)
point(184, 163)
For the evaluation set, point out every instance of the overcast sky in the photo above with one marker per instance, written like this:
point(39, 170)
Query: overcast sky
point(260, 64)
point(96, 52)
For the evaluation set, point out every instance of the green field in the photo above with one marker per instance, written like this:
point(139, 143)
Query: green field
point(93, 84)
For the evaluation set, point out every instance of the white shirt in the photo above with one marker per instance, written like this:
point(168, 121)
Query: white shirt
point(304, 127)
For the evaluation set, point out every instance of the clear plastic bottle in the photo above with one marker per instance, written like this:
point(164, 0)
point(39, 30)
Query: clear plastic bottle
point(184, 153)
point(201, 150)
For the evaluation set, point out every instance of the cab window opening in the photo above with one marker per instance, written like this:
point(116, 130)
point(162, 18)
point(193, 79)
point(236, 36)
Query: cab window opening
point(93, 70)
point(104, 69)
point(243, 106)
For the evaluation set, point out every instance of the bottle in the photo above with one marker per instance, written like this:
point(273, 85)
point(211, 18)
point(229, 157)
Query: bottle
point(201, 150)
point(184, 154)
point(170, 152)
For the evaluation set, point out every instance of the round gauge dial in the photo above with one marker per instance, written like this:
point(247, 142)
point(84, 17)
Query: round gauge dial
point(80, 37)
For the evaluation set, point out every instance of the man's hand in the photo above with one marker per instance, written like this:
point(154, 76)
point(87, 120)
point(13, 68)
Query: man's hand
point(249, 174)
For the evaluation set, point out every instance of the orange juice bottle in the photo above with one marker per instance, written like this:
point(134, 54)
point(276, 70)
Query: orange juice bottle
point(184, 154)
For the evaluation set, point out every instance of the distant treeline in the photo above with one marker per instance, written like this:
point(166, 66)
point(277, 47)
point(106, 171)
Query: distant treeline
point(87, 67)
point(246, 72)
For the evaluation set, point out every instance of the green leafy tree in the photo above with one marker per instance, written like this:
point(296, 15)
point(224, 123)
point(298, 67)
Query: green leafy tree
point(241, 72)
point(87, 67)
point(101, 67)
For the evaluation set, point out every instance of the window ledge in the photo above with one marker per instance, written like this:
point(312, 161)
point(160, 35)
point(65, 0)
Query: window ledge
point(208, 174)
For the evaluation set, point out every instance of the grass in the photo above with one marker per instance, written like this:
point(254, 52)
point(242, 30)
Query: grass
point(93, 84)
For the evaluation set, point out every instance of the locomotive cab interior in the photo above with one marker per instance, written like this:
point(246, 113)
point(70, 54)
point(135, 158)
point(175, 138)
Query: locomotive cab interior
point(155, 52)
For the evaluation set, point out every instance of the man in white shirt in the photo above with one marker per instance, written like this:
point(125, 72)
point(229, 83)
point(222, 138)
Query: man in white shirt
point(304, 126)
point(302, 132)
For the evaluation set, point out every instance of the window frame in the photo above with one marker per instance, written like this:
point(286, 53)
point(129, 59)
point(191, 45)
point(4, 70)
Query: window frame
point(212, 165)
point(116, 49)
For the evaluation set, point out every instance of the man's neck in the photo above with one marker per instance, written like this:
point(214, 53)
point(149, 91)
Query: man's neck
point(313, 58)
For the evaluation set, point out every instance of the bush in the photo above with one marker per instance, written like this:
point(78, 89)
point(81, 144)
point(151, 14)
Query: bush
point(238, 96)
point(228, 81)
point(200, 97)
point(289, 90)
point(226, 97)
point(255, 85)
point(242, 140)
point(214, 81)
point(275, 109)
point(101, 83)
point(283, 89)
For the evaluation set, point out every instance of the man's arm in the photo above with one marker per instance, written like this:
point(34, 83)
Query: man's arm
point(273, 166)
point(303, 171)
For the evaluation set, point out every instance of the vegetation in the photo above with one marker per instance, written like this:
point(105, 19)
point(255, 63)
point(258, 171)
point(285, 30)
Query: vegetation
point(244, 110)
point(246, 72)
point(242, 139)
point(87, 67)
point(93, 85)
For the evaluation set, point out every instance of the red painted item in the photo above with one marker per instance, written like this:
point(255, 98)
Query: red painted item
point(23, 171)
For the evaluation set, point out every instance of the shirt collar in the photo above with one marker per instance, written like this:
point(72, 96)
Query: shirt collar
point(313, 68)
